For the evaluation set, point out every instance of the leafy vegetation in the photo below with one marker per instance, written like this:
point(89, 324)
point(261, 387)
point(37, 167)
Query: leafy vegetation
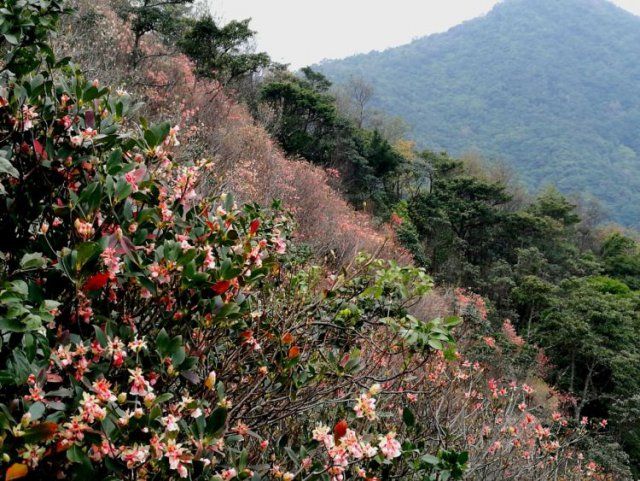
point(152, 327)
point(545, 85)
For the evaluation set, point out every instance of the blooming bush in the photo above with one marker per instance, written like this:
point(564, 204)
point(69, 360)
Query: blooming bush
point(152, 330)
point(213, 124)
point(116, 275)
point(135, 339)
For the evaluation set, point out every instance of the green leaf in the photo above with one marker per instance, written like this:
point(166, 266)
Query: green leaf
point(11, 325)
point(36, 410)
point(102, 339)
point(87, 251)
point(164, 397)
point(430, 459)
point(123, 190)
point(12, 39)
point(452, 321)
point(34, 260)
point(75, 454)
point(216, 421)
point(114, 164)
point(7, 168)
point(156, 134)
point(408, 417)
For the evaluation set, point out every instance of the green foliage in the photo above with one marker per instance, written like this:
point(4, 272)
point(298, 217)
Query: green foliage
point(222, 52)
point(25, 28)
point(546, 85)
point(165, 18)
point(621, 257)
point(528, 259)
point(307, 117)
point(459, 215)
point(592, 328)
point(308, 124)
point(144, 322)
point(445, 466)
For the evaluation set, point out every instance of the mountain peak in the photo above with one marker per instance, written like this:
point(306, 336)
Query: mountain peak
point(549, 86)
point(555, 8)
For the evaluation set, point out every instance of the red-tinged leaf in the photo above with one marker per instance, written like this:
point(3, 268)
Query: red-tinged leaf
point(62, 446)
point(40, 432)
point(39, 150)
point(254, 226)
point(344, 360)
point(128, 247)
point(340, 429)
point(96, 282)
point(16, 471)
point(89, 119)
point(221, 287)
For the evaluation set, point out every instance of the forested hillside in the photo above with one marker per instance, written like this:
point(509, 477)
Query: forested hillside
point(215, 269)
point(549, 86)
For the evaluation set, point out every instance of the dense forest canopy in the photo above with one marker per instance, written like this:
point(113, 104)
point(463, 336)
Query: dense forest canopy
point(549, 86)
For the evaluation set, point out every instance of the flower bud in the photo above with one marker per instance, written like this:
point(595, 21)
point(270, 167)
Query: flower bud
point(26, 420)
point(210, 382)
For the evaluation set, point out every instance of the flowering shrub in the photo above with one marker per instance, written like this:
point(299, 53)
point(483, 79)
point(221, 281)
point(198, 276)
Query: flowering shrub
point(116, 275)
point(507, 432)
point(150, 330)
point(248, 162)
point(135, 339)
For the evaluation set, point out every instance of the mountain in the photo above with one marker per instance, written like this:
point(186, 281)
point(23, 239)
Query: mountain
point(552, 87)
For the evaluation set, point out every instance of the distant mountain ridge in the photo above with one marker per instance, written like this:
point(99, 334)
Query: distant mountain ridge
point(550, 86)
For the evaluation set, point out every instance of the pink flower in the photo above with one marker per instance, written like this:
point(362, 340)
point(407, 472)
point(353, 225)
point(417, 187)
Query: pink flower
point(28, 115)
point(184, 242)
point(135, 455)
point(510, 333)
point(176, 456)
point(32, 454)
point(90, 408)
point(172, 139)
point(84, 229)
point(66, 122)
point(116, 349)
point(139, 385)
point(494, 447)
point(281, 246)
point(490, 341)
point(228, 474)
point(389, 446)
point(102, 389)
point(74, 429)
point(160, 273)
point(134, 177)
point(111, 261)
point(365, 407)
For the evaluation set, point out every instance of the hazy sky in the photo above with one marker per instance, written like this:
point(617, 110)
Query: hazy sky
point(302, 32)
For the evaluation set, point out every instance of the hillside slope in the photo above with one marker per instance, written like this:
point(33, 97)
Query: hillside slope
point(550, 86)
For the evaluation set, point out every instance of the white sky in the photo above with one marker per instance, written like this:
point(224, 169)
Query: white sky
point(303, 32)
